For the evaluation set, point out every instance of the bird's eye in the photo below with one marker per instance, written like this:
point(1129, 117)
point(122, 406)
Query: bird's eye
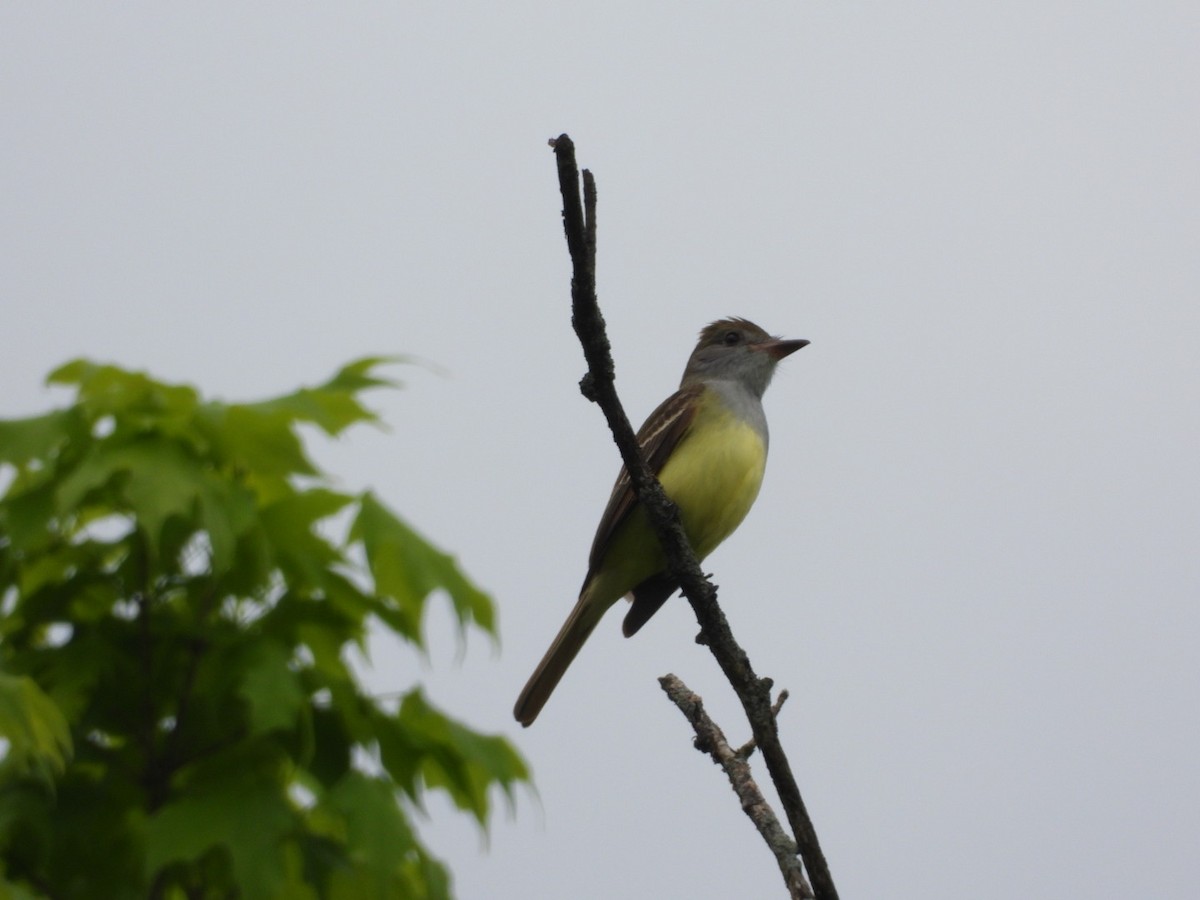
point(731, 338)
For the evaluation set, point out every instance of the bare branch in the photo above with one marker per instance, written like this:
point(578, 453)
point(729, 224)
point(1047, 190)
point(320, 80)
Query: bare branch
point(579, 222)
point(711, 740)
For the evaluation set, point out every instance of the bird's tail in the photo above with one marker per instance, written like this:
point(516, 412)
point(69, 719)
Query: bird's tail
point(579, 625)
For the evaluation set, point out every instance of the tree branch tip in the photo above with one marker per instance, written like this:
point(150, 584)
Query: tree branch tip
point(598, 386)
point(745, 751)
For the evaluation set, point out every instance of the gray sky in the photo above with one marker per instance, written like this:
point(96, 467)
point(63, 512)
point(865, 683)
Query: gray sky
point(974, 563)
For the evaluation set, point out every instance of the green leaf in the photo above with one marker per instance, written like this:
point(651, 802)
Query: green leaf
point(253, 439)
point(27, 517)
point(39, 437)
point(65, 582)
point(302, 554)
point(38, 735)
point(77, 372)
point(332, 747)
point(320, 627)
point(402, 753)
point(465, 763)
point(157, 479)
point(358, 375)
point(295, 886)
point(71, 673)
point(333, 406)
point(425, 876)
point(375, 826)
point(271, 688)
point(407, 568)
point(242, 811)
point(133, 398)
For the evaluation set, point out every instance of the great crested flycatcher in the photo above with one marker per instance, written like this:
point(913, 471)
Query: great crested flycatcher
point(707, 443)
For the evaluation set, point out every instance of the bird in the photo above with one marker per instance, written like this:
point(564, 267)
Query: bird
point(707, 444)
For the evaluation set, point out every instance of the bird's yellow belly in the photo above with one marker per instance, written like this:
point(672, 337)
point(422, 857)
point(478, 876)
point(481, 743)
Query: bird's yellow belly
point(714, 477)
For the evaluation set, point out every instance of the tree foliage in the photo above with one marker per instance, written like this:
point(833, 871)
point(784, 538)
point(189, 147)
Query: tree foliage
point(179, 716)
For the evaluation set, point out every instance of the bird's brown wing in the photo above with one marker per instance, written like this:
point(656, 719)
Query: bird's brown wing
point(658, 437)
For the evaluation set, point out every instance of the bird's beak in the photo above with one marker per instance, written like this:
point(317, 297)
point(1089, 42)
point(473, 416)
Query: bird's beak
point(778, 348)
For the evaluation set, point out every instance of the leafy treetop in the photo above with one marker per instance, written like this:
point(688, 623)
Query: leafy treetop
point(178, 718)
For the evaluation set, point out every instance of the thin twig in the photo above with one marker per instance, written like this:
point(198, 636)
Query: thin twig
point(598, 385)
point(748, 748)
point(711, 740)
